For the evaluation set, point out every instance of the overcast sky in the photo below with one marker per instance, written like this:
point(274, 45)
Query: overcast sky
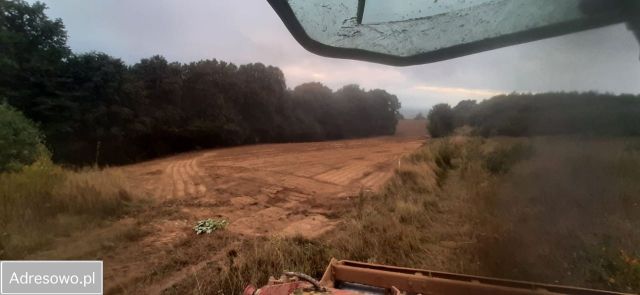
point(243, 31)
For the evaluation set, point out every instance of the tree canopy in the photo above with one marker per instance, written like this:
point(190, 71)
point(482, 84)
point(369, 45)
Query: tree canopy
point(560, 113)
point(441, 120)
point(94, 108)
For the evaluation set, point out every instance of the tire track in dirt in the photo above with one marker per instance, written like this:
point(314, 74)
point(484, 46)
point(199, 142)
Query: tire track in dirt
point(186, 179)
point(345, 175)
point(375, 180)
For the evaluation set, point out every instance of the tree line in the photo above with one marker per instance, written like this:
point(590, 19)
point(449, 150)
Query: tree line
point(94, 108)
point(526, 114)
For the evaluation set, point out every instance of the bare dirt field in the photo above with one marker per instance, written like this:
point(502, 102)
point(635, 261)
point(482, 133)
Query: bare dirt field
point(262, 189)
point(269, 189)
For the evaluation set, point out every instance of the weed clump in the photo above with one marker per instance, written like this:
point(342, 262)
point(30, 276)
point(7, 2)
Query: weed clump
point(210, 225)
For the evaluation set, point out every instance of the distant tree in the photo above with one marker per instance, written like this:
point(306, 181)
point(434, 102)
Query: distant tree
point(440, 120)
point(20, 140)
point(463, 111)
point(315, 112)
point(587, 113)
point(384, 109)
point(208, 89)
point(354, 118)
point(419, 116)
point(95, 113)
point(260, 101)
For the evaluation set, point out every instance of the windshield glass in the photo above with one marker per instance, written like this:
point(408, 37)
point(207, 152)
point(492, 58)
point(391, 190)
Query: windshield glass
point(429, 28)
point(380, 11)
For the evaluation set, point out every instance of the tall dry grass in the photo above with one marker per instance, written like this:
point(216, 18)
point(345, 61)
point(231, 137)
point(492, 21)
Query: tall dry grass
point(548, 209)
point(260, 259)
point(43, 201)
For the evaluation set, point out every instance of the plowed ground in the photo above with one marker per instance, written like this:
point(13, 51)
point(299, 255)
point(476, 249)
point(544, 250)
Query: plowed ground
point(269, 189)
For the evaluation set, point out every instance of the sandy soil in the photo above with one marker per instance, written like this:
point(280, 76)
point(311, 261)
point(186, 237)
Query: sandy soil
point(287, 188)
point(270, 189)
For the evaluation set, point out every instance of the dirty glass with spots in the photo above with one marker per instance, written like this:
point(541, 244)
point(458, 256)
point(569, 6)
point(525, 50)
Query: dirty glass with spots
point(412, 27)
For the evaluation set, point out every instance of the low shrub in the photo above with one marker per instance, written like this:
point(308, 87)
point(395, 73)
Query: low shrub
point(440, 120)
point(20, 140)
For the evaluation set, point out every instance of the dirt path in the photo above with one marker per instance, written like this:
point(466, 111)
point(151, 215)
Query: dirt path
point(270, 189)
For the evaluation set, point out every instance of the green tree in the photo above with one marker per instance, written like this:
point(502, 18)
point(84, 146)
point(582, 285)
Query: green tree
point(440, 120)
point(20, 140)
point(260, 100)
point(208, 88)
point(463, 111)
point(353, 115)
point(314, 112)
point(384, 110)
point(32, 48)
point(92, 124)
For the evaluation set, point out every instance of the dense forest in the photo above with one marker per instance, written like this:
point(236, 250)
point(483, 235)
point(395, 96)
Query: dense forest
point(562, 113)
point(94, 108)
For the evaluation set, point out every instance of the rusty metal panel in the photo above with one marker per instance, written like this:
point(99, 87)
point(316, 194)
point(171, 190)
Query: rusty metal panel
point(430, 282)
point(352, 278)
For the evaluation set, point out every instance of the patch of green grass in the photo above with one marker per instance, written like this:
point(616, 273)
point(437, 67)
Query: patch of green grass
point(437, 159)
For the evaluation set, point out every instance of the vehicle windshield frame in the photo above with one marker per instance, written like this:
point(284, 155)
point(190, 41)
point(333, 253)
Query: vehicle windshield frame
point(290, 20)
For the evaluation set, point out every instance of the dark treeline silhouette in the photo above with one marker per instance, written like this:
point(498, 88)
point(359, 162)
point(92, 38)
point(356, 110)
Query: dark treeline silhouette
point(94, 108)
point(589, 113)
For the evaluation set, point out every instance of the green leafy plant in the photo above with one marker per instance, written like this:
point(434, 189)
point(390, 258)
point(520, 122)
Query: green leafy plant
point(210, 225)
point(20, 140)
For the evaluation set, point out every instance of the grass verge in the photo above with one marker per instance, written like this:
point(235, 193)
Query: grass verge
point(43, 201)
